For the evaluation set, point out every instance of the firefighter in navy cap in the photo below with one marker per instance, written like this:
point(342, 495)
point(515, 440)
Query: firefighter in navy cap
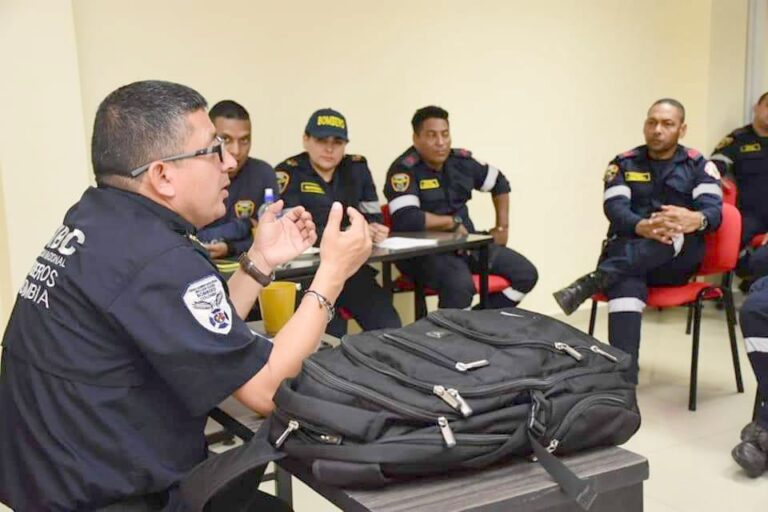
point(752, 452)
point(249, 180)
point(660, 199)
point(318, 177)
point(124, 335)
point(428, 188)
point(742, 157)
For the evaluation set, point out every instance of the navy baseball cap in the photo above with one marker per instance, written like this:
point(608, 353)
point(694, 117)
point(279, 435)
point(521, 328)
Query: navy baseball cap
point(326, 122)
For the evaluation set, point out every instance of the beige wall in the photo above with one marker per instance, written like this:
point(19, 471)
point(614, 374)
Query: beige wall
point(547, 91)
point(43, 164)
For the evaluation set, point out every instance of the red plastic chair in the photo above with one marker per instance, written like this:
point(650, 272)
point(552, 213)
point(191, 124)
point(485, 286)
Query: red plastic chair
point(730, 195)
point(721, 253)
point(404, 283)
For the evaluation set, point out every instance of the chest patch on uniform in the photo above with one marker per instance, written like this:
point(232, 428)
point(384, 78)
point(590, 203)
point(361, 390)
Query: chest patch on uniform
point(610, 173)
point(244, 208)
point(429, 184)
point(637, 176)
point(400, 182)
point(311, 188)
point(727, 141)
point(750, 148)
point(206, 300)
point(283, 179)
point(711, 169)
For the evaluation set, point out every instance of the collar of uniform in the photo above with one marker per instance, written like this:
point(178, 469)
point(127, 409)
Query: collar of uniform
point(174, 220)
point(681, 153)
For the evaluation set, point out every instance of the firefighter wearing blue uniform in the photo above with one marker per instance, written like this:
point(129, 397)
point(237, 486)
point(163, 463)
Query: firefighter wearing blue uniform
point(251, 177)
point(752, 452)
point(742, 156)
point(428, 188)
point(318, 177)
point(124, 335)
point(660, 199)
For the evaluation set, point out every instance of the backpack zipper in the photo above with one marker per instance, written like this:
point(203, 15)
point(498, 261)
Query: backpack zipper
point(312, 367)
point(434, 355)
point(575, 411)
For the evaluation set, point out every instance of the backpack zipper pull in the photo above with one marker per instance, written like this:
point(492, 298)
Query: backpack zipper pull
point(445, 429)
point(553, 446)
point(464, 407)
point(292, 425)
point(446, 397)
point(463, 367)
point(598, 350)
point(564, 347)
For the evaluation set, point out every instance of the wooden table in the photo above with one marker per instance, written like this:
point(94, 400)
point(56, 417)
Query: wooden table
point(306, 266)
point(521, 486)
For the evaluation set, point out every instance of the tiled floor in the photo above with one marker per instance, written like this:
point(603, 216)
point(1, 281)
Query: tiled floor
point(689, 452)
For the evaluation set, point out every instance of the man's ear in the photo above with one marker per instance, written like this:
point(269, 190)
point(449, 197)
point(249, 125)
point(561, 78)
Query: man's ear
point(160, 178)
point(683, 130)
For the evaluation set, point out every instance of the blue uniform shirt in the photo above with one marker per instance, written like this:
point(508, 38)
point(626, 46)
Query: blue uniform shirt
point(636, 186)
point(743, 156)
point(413, 188)
point(121, 340)
point(246, 194)
point(351, 185)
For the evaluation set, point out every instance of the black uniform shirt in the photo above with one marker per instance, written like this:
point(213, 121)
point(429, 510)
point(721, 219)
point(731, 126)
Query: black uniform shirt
point(246, 194)
point(636, 186)
point(352, 185)
point(121, 340)
point(413, 188)
point(743, 156)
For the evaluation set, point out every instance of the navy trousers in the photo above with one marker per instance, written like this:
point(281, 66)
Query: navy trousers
point(754, 327)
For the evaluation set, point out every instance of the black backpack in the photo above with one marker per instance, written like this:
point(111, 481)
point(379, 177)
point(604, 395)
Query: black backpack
point(456, 390)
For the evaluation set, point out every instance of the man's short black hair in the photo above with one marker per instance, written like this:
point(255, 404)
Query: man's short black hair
point(139, 123)
point(229, 109)
point(762, 97)
point(425, 113)
point(671, 101)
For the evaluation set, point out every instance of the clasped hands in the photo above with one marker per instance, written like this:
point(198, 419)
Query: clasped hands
point(668, 223)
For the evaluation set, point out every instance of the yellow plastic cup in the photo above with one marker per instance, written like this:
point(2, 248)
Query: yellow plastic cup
point(277, 303)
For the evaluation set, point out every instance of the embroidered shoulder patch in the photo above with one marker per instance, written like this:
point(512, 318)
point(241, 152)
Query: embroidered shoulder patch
point(727, 141)
point(207, 301)
point(711, 169)
point(610, 173)
point(283, 179)
point(400, 182)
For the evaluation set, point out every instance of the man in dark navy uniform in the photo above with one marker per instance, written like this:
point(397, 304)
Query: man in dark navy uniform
point(660, 199)
point(124, 335)
point(318, 177)
point(752, 452)
point(742, 156)
point(248, 182)
point(428, 188)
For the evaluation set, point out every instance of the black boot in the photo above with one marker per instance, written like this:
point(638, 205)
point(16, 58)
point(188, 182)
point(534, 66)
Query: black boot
point(752, 452)
point(571, 297)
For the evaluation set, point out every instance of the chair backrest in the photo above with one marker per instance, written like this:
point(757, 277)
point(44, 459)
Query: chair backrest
point(386, 215)
point(730, 192)
point(722, 249)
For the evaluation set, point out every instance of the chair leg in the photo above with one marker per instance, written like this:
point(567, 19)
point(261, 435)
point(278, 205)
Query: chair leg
point(592, 318)
point(758, 403)
point(690, 319)
point(730, 316)
point(420, 301)
point(695, 355)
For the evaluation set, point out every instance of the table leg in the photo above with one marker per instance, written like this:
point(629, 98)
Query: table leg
point(386, 275)
point(283, 485)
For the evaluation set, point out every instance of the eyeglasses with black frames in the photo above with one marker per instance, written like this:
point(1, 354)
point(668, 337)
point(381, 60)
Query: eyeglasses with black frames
point(217, 148)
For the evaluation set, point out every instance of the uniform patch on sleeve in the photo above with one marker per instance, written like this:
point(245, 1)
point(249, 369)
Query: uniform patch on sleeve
point(610, 173)
point(400, 182)
point(207, 301)
point(283, 179)
point(244, 208)
point(727, 141)
point(711, 169)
